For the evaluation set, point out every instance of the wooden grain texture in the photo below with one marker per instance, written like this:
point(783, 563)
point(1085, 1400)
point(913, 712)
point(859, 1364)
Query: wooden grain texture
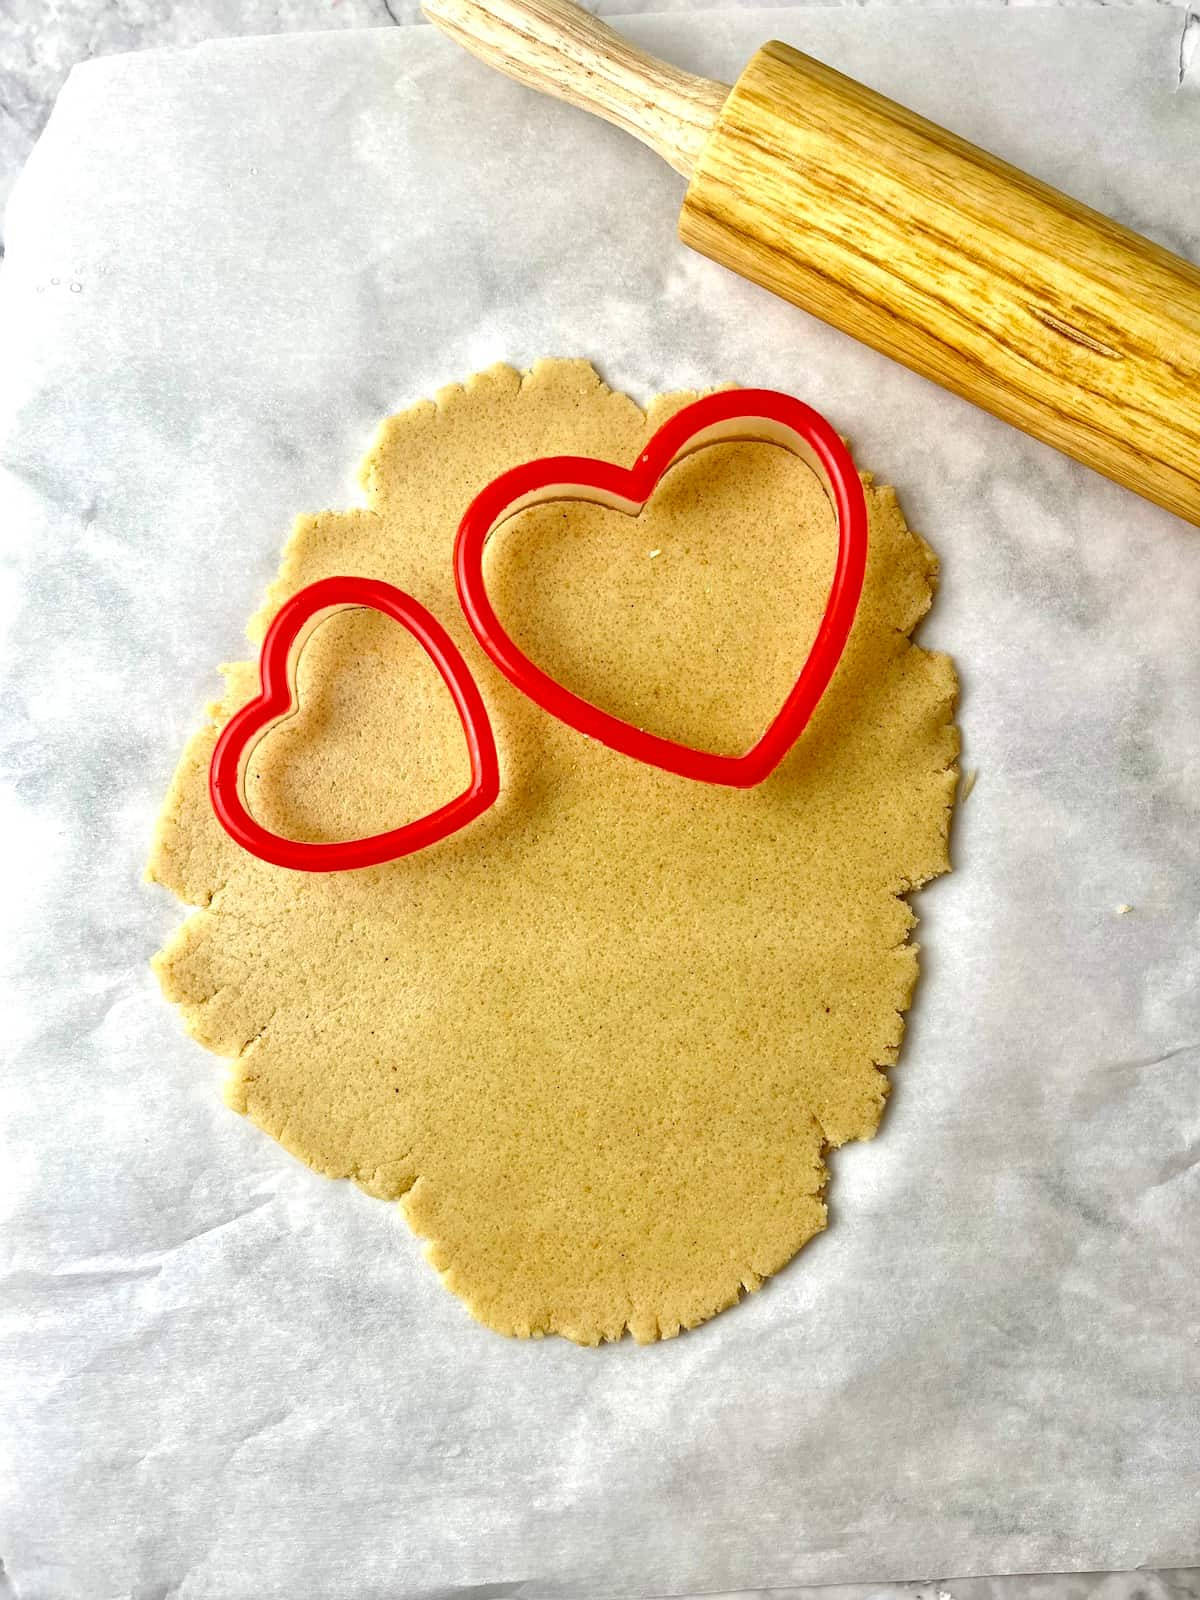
point(958, 265)
point(558, 47)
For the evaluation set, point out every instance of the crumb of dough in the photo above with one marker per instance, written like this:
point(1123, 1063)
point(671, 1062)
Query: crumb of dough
point(598, 1043)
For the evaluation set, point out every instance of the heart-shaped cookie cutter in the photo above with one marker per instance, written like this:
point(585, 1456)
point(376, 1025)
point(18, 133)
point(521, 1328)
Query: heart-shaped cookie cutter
point(290, 630)
point(758, 415)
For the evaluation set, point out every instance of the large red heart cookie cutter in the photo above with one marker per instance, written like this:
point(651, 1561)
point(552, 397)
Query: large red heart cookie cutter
point(761, 415)
point(290, 630)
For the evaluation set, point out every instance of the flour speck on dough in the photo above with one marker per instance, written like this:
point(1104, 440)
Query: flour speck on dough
point(598, 1043)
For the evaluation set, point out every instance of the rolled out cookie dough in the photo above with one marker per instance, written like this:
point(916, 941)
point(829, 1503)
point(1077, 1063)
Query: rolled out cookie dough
point(598, 1042)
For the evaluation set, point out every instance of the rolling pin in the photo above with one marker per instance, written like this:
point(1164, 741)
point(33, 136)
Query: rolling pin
point(972, 273)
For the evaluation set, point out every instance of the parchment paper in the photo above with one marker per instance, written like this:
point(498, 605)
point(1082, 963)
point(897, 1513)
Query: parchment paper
point(225, 1376)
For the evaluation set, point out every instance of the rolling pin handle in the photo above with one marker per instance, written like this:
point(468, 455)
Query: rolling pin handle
point(561, 49)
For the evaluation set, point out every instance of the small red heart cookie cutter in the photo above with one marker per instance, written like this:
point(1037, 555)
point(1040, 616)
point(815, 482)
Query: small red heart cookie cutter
point(290, 630)
point(761, 415)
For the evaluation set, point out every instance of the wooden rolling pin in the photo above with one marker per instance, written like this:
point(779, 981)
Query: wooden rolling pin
point(970, 272)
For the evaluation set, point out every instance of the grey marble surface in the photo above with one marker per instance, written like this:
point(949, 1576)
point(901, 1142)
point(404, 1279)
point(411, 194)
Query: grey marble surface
point(41, 40)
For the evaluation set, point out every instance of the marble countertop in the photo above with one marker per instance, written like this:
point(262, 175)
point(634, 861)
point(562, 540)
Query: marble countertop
point(41, 40)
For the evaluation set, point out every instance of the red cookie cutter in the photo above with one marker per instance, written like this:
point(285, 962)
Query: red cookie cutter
point(736, 414)
point(290, 630)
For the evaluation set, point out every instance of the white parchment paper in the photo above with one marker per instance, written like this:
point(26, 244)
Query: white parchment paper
point(225, 1376)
